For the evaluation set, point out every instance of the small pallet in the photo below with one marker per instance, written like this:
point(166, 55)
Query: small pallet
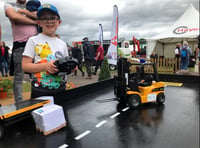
point(52, 130)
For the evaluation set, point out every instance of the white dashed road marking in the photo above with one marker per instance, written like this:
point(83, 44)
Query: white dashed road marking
point(100, 123)
point(115, 115)
point(97, 126)
point(82, 135)
point(63, 146)
point(125, 109)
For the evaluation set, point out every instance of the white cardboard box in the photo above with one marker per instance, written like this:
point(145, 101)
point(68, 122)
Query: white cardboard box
point(49, 119)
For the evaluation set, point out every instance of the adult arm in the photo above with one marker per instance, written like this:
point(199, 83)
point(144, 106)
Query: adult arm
point(73, 52)
point(190, 51)
point(85, 51)
point(18, 18)
point(97, 56)
point(27, 13)
point(30, 67)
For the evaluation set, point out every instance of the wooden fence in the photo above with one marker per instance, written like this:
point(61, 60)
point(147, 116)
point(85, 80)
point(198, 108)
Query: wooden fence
point(166, 65)
point(163, 65)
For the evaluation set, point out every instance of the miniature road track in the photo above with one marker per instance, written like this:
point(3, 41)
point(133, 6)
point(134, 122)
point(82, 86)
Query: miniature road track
point(94, 124)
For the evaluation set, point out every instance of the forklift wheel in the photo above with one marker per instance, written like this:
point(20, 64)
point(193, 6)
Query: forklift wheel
point(161, 98)
point(1, 132)
point(134, 101)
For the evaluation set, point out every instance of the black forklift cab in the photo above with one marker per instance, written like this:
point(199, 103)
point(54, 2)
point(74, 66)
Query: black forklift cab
point(132, 75)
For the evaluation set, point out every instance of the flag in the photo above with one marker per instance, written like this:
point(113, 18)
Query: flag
point(101, 34)
point(112, 50)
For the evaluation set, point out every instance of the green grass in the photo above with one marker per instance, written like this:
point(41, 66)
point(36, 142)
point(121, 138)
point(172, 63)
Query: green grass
point(26, 87)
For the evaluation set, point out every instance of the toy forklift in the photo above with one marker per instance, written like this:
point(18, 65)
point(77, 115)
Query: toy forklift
point(138, 83)
point(10, 114)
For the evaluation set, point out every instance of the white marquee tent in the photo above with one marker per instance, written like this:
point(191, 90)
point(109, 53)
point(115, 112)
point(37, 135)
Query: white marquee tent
point(185, 28)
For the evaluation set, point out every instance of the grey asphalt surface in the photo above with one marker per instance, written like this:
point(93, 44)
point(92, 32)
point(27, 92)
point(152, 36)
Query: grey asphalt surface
point(172, 125)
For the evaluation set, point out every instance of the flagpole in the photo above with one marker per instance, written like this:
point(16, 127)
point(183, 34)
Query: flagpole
point(101, 34)
point(117, 28)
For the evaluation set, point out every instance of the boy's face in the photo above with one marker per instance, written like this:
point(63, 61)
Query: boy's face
point(49, 23)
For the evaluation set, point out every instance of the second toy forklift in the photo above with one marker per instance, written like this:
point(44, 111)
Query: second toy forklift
point(138, 83)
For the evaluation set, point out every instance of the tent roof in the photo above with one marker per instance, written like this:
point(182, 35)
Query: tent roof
point(187, 26)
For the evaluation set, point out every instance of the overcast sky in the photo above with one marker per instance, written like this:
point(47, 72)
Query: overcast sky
point(80, 18)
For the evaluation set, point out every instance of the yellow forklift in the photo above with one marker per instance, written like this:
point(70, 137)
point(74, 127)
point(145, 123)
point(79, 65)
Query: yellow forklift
point(10, 114)
point(138, 83)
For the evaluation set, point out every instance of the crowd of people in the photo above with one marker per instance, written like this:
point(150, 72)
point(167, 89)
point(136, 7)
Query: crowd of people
point(184, 54)
point(92, 58)
point(36, 47)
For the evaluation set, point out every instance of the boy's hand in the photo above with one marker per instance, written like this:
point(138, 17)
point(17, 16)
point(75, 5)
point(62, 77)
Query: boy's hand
point(51, 67)
point(73, 70)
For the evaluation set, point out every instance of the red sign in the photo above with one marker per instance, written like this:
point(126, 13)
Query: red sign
point(184, 29)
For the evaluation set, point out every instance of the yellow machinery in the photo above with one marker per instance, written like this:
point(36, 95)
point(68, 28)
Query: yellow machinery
point(138, 83)
point(13, 113)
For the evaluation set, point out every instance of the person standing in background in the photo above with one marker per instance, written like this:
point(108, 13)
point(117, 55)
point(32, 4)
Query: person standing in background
point(177, 52)
point(77, 53)
point(23, 24)
point(185, 54)
point(88, 55)
point(69, 49)
point(4, 58)
point(99, 57)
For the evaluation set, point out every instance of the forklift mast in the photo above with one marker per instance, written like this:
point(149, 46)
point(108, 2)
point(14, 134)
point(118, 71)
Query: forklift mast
point(123, 67)
point(121, 81)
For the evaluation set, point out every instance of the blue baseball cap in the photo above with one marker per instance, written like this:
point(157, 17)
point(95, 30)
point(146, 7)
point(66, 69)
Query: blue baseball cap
point(46, 8)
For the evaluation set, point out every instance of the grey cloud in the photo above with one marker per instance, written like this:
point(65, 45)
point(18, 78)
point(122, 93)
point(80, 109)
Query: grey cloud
point(142, 19)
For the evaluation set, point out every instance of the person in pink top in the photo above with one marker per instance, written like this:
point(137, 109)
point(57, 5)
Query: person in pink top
point(23, 23)
point(99, 56)
point(4, 56)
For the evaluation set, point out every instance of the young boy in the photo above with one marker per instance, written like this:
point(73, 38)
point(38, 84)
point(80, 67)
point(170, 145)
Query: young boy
point(40, 53)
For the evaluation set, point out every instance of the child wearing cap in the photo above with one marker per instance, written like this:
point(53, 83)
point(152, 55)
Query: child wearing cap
point(40, 53)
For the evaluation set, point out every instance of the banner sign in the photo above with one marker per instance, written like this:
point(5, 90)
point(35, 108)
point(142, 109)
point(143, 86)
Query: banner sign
point(101, 34)
point(112, 50)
